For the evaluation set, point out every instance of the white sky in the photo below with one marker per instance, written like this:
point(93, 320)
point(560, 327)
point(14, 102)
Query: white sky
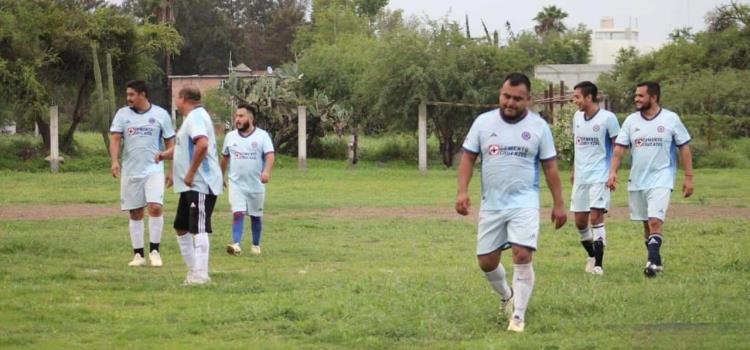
point(655, 18)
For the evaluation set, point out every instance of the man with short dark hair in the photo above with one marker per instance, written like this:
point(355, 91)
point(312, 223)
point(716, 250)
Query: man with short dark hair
point(511, 141)
point(654, 135)
point(197, 178)
point(141, 125)
point(594, 132)
point(249, 152)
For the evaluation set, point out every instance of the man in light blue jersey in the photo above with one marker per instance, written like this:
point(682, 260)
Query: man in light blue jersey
point(594, 132)
point(512, 142)
point(197, 178)
point(142, 126)
point(654, 135)
point(249, 152)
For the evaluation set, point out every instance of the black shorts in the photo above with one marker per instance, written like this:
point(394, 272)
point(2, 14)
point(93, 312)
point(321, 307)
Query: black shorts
point(194, 212)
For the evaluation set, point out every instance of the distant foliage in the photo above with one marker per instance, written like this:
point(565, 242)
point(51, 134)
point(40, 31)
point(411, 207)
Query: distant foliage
point(562, 131)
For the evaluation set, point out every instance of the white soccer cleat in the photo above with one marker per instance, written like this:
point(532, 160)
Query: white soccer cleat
point(193, 279)
point(598, 271)
point(138, 260)
point(155, 258)
point(255, 250)
point(506, 305)
point(516, 325)
point(234, 249)
point(590, 264)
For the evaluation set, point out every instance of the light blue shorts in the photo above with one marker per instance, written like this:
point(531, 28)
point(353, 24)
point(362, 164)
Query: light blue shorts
point(651, 203)
point(137, 191)
point(249, 203)
point(499, 229)
point(587, 196)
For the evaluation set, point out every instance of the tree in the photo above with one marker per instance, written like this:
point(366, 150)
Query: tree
point(733, 15)
point(550, 20)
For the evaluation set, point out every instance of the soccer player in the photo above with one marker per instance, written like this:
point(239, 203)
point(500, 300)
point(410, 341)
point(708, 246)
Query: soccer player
point(249, 152)
point(511, 141)
point(141, 125)
point(654, 136)
point(197, 178)
point(594, 132)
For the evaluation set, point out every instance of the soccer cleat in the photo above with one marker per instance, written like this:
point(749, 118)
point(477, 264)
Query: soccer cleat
point(234, 249)
point(138, 260)
point(506, 305)
point(155, 258)
point(590, 264)
point(192, 279)
point(598, 271)
point(650, 270)
point(516, 324)
point(255, 250)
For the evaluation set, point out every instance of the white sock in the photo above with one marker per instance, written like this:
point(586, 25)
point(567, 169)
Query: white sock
point(136, 233)
point(599, 233)
point(585, 234)
point(201, 254)
point(187, 250)
point(155, 227)
point(496, 278)
point(523, 284)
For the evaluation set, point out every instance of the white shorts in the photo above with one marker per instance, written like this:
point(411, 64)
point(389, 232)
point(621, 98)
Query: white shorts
point(249, 203)
point(137, 191)
point(498, 229)
point(651, 203)
point(589, 196)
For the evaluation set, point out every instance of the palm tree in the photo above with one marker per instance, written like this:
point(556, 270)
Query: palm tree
point(549, 20)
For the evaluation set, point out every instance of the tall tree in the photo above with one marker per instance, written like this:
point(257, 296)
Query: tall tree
point(550, 20)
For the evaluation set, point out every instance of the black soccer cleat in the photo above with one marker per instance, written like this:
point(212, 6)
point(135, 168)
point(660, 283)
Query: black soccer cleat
point(650, 270)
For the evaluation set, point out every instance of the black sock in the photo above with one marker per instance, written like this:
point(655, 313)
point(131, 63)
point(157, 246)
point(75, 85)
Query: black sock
point(153, 246)
point(139, 251)
point(653, 244)
point(589, 246)
point(598, 253)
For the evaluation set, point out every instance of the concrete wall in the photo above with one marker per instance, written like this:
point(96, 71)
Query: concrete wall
point(571, 74)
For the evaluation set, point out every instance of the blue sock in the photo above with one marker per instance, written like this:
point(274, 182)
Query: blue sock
point(238, 221)
point(652, 245)
point(256, 225)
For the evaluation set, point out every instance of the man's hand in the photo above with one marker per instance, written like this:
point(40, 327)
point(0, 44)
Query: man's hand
point(157, 157)
point(188, 180)
point(462, 204)
point(264, 177)
point(687, 186)
point(168, 179)
point(115, 169)
point(612, 181)
point(559, 216)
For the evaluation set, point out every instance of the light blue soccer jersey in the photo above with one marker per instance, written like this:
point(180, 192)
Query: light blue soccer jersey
point(510, 154)
point(142, 134)
point(653, 148)
point(207, 179)
point(246, 159)
point(592, 138)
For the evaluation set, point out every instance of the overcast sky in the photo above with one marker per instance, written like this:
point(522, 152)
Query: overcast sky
point(655, 18)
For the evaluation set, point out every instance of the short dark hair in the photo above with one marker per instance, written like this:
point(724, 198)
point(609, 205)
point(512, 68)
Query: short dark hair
point(250, 107)
point(588, 88)
point(138, 85)
point(652, 88)
point(516, 79)
point(191, 93)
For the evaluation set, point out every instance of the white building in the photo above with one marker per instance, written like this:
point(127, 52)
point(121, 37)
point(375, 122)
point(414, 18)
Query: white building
point(607, 41)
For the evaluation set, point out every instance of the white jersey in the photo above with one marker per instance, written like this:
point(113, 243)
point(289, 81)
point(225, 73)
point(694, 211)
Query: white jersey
point(593, 145)
point(653, 148)
point(207, 178)
point(246, 159)
point(510, 153)
point(142, 134)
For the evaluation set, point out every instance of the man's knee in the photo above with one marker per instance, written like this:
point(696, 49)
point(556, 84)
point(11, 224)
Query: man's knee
point(154, 209)
point(489, 262)
point(582, 220)
point(597, 216)
point(136, 214)
point(654, 225)
point(521, 255)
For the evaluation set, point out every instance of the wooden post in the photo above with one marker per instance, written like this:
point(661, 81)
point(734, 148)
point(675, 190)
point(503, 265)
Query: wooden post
point(551, 98)
point(302, 137)
point(422, 134)
point(54, 155)
point(709, 131)
point(562, 94)
point(36, 129)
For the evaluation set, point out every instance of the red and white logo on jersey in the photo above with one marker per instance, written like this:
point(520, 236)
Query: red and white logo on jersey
point(578, 140)
point(638, 142)
point(596, 127)
point(131, 131)
point(660, 128)
point(493, 150)
point(237, 155)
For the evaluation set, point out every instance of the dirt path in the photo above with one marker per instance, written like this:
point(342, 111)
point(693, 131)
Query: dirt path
point(64, 211)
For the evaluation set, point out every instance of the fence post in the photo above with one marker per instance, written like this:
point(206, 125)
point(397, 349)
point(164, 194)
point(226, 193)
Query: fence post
point(422, 133)
point(54, 155)
point(551, 100)
point(709, 131)
point(302, 137)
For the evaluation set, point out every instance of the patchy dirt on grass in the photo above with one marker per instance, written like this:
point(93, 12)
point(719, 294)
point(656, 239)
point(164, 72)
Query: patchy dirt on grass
point(79, 210)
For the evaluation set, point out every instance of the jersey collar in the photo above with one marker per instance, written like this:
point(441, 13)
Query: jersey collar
point(248, 135)
point(592, 116)
point(144, 112)
point(513, 121)
point(652, 118)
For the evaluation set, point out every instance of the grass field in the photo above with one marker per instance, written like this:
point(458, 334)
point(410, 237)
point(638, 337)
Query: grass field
point(348, 262)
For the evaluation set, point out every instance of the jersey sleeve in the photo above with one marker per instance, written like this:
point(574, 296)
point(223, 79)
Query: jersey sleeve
point(680, 133)
point(471, 143)
point(613, 126)
point(623, 137)
point(167, 129)
point(197, 128)
point(267, 144)
point(118, 123)
point(225, 145)
point(547, 144)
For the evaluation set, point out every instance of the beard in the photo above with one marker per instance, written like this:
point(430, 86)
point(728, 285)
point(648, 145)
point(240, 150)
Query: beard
point(645, 106)
point(512, 113)
point(243, 127)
